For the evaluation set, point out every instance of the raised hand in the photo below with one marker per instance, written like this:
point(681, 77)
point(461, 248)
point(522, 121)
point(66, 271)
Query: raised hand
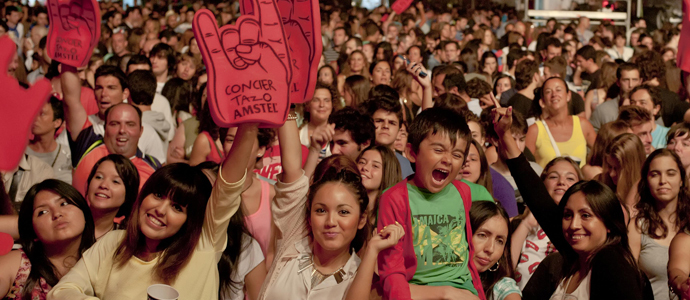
point(75, 31)
point(19, 108)
point(387, 237)
point(322, 136)
point(302, 24)
point(248, 73)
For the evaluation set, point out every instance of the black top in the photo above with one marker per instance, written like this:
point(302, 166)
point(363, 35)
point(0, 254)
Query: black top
point(593, 78)
point(521, 103)
point(612, 276)
point(672, 109)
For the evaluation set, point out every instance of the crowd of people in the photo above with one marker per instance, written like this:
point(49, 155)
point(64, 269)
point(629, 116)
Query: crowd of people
point(446, 153)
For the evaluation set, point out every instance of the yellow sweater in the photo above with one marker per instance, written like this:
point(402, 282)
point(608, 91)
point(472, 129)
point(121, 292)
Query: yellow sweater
point(96, 277)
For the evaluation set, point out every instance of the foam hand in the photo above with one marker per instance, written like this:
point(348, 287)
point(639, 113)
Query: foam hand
point(247, 66)
point(74, 32)
point(302, 24)
point(19, 108)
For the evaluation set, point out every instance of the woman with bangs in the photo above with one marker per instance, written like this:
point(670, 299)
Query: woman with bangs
point(379, 170)
point(112, 189)
point(587, 227)
point(356, 91)
point(530, 246)
point(175, 235)
point(606, 134)
point(321, 227)
point(621, 167)
point(662, 210)
point(55, 228)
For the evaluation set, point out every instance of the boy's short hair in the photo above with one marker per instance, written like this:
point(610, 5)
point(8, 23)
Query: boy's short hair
point(653, 91)
point(107, 70)
point(524, 73)
point(438, 120)
point(387, 104)
point(455, 80)
point(360, 126)
point(557, 65)
point(165, 51)
point(451, 102)
point(138, 59)
point(142, 87)
point(627, 66)
point(477, 88)
point(519, 125)
point(679, 130)
point(587, 52)
point(634, 115)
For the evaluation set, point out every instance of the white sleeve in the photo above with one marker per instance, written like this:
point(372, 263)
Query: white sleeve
point(250, 257)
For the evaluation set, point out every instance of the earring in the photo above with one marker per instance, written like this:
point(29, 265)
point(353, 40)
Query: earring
point(494, 268)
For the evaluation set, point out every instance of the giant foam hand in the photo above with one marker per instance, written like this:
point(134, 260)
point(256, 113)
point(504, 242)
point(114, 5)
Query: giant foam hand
point(302, 24)
point(247, 67)
point(18, 109)
point(75, 31)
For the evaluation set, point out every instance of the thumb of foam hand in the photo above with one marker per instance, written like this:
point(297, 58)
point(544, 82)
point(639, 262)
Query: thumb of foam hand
point(19, 109)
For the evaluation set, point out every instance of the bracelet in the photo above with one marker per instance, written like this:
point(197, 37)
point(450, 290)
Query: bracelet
point(292, 116)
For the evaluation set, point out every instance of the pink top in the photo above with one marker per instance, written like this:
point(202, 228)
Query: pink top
point(259, 223)
point(215, 154)
point(40, 290)
point(684, 42)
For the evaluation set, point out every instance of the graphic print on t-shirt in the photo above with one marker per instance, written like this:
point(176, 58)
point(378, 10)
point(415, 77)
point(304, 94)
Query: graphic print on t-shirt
point(438, 239)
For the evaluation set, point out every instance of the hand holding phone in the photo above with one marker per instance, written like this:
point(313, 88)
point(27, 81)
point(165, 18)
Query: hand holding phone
point(407, 61)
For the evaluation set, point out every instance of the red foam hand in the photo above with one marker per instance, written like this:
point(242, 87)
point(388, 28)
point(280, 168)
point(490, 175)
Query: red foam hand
point(75, 31)
point(6, 243)
point(247, 67)
point(302, 24)
point(401, 5)
point(18, 109)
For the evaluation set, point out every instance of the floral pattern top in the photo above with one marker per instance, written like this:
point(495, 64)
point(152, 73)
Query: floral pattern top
point(39, 292)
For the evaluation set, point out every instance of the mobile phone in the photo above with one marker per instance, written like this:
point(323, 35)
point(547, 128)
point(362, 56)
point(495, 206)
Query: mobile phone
point(407, 61)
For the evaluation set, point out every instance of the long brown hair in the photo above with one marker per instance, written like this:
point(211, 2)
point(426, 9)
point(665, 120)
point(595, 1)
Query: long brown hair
point(390, 176)
point(485, 176)
point(627, 149)
point(606, 134)
point(365, 69)
point(186, 186)
point(648, 213)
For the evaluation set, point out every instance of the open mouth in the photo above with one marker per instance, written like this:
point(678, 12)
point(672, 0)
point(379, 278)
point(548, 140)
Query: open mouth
point(101, 195)
point(155, 221)
point(439, 175)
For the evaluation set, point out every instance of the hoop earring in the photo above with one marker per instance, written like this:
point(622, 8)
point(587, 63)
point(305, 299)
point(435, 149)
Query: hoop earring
point(494, 268)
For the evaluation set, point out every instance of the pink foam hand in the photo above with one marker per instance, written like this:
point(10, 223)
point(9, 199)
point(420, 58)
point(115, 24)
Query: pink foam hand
point(75, 32)
point(19, 108)
point(400, 6)
point(247, 67)
point(302, 24)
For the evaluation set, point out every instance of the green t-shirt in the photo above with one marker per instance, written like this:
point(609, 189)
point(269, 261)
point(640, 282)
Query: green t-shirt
point(439, 238)
point(479, 192)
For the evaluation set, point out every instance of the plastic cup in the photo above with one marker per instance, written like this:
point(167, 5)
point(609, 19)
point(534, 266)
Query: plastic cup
point(162, 292)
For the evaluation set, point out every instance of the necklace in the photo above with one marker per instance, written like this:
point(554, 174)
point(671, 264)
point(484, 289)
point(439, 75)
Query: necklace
point(318, 277)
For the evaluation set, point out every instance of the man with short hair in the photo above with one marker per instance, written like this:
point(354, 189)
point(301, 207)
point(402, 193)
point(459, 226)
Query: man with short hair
point(16, 28)
point(354, 131)
point(452, 51)
point(552, 48)
point(354, 43)
point(653, 72)
point(119, 44)
point(439, 77)
point(170, 38)
point(44, 63)
point(586, 60)
point(455, 84)
point(649, 98)
point(583, 32)
point(527, 80)
point(387, 116)
point(142, 86)
point(332, 53)
point(160, 103)
point(642, 124)
point(43, 144)
point(628, 77)
point(121, 133)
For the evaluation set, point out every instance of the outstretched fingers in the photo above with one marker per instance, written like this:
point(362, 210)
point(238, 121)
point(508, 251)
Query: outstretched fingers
point(206, 30)
point(271, 27)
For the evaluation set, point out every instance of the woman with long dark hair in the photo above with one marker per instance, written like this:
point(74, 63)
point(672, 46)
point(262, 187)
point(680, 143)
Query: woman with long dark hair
point(379, 170)
point(588, 229)
point(112, 189)
point(56, 227)
point(175, 235)
point(662, 210)
point(491, 240)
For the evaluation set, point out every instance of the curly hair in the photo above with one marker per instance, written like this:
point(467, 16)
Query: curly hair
point(652, 65)
point(524, 73)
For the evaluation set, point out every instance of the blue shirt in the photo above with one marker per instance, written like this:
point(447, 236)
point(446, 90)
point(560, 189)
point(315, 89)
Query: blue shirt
point(659, 137)
point(405, 165)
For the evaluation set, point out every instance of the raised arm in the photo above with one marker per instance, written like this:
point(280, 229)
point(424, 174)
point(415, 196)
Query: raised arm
point(428, 93)
point(530, 185)
point(75, 114)
point(321, 137)
point(290, 151)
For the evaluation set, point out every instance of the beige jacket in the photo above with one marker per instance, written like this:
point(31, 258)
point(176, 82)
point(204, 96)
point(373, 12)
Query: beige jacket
point(35, 171)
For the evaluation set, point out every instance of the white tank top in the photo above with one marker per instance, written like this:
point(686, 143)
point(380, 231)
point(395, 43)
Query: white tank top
point(581, 293)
